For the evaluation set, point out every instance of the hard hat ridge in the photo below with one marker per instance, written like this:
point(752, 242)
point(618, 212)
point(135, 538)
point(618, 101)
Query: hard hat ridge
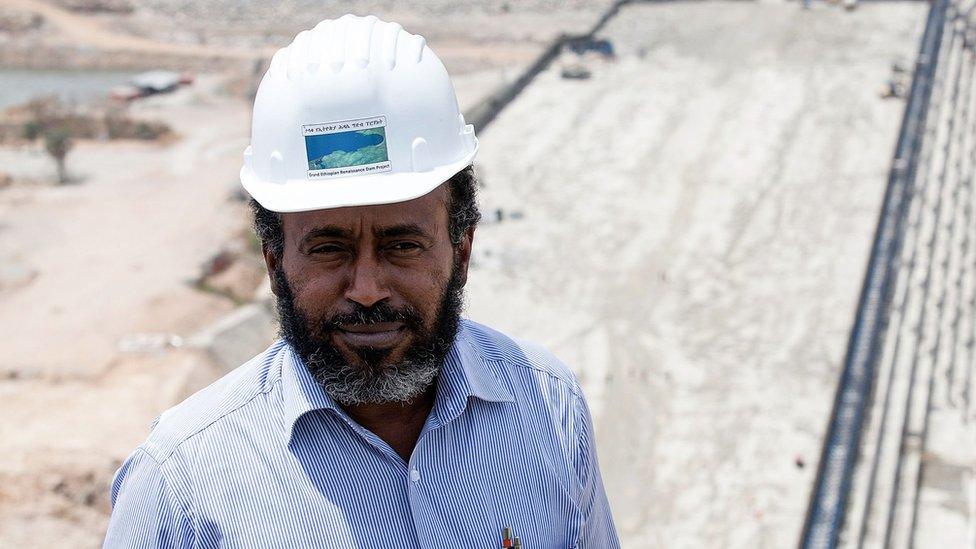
point(355, 111)
point(356, 41)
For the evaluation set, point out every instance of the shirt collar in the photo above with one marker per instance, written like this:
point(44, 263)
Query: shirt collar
point(464, 374)
point(300, 393)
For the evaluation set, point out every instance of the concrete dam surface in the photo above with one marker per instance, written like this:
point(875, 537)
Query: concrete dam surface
point(913, 483)
point(688, 230)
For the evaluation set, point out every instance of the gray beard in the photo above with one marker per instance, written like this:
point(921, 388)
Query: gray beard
point(349, 384)
point(372, 383)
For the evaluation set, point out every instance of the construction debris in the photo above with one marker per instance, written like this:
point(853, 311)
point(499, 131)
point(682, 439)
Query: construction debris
point(576, 71)
point(898, 84)
point(151, 83)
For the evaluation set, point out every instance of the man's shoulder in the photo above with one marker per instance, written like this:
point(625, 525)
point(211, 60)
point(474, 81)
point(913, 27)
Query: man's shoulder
point(235, 390)
point(520, 355)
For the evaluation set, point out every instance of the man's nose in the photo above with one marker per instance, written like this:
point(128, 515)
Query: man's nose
point(368, 285)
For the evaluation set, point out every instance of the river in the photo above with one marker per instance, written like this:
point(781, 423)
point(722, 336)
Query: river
point(20, 85)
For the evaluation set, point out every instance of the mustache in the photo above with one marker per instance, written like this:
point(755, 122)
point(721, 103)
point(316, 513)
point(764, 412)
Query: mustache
point(381, 312)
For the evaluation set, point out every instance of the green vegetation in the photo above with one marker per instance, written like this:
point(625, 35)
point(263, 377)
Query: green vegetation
point(58, 143)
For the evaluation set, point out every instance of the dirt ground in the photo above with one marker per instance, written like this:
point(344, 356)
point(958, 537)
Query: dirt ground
point(88, 266)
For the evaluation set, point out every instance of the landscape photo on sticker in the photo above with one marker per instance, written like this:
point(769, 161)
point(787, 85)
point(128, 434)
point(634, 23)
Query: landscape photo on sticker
point(344, 149)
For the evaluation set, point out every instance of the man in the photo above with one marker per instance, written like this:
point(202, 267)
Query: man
point(380, 419)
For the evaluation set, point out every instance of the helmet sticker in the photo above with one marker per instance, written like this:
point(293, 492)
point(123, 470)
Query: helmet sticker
point(347, 147)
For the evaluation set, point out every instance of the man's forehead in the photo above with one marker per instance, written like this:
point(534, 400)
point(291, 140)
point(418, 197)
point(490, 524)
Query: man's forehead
point(428, 211)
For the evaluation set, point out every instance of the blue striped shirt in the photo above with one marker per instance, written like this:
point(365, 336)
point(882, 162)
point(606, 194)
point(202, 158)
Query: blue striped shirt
point(264, 457)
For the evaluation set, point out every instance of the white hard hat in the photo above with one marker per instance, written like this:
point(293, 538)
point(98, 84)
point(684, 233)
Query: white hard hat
point(354, 112)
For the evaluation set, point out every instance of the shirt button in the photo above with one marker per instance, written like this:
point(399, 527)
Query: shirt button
point(415, 475)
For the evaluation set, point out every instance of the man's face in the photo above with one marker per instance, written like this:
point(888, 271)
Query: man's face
point(370, 296)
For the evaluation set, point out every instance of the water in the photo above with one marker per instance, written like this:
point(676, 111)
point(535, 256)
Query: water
point(323, 145)
point(20, 85)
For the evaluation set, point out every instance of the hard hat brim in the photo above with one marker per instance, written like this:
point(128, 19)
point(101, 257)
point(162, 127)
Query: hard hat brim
point(302, 195)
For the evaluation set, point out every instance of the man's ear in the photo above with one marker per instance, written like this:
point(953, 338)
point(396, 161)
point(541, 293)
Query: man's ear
point(273, 262)
point(464, 254)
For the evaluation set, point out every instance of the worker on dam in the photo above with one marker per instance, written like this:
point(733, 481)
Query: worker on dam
point(380, 417)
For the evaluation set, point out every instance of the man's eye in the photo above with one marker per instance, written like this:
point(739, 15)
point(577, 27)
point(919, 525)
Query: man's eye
point(403, 247)
point(327, 249)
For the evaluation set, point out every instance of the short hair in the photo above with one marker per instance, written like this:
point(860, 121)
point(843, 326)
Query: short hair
point(462, 213)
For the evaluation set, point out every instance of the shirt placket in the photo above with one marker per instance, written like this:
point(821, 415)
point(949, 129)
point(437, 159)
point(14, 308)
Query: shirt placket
point(409, 470)
point(418, 491)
